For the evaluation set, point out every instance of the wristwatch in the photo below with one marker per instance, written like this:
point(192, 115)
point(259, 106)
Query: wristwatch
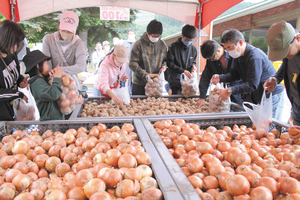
point(229, 91)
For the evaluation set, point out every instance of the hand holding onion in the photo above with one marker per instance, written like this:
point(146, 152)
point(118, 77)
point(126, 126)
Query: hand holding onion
point(294, 131)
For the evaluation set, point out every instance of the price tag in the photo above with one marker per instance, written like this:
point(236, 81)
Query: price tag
point(114, 13)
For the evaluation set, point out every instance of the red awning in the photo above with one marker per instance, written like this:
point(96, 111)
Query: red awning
point(212, 9)
point(5, 10)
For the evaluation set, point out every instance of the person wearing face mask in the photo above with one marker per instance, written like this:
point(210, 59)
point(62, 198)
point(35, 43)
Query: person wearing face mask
point(66, 48)
point(111, 72)
point(106, 47)
point(284, 43)
point(129, 44)
point(181, 58)
point(148, 57)
point(218, 62)
point(253, 67)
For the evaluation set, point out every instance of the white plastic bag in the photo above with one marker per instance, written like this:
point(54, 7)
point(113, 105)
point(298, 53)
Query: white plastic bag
point(122, 93)
point(214, 104)
point(31, 101)
point(155, 86)
point(70, 96)
point(261, 114)
point(23, 111)
point(189, 86)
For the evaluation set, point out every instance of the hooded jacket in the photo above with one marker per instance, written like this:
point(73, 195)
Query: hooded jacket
point(146, 58)
point(73, 58)
point(108, 74)
point(10, 79)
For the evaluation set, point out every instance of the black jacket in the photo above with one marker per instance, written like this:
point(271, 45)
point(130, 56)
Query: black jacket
point(211, 68)
point(10, 79)
point(254, 68)
point(282, 74)
point(180, 58)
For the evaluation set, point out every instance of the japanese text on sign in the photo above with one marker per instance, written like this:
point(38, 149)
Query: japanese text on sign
point(114, 13)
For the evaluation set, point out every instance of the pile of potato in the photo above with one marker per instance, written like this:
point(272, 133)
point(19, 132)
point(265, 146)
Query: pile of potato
point(139, 107)
point(188, 87)
point(154, 87)
point(215, 105)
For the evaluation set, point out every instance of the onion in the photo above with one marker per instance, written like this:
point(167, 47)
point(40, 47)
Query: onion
point(7, 148)
point(20, 147)
point(271, 172)
point(37, 193)
point(127, 188)
point(111, 177)
point(253, 177)
point(42, 173)
point(21, 158)
point(76, 193)
point(238, 185)
point(210, 182)
point(147, 182)
point(143, 158)
point(33, 176)
point(47, 144)
point(289, 185)
point(144, 170)
point(69, 137)
point(11, 174)
point(61, 169)
point(41, 159)
point(54, 151)
point(7, 193)
point(112, 157)
point(82, 177)
point(93, 186)
point(132, 174)
point(21, 182)
point(127, 161)
point(101, 195)
point(269, 183)
point(261, 193)
point(152, 193)
point(196, 181)
point(25, 195)
point(56, 194)
point(51, 163)
point(41, 183)
point(70, 158)
point(7, 162)
point(21, 166)
point(195, 164)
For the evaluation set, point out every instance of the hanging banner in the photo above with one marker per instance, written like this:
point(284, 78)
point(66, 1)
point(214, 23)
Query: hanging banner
point(114, 13)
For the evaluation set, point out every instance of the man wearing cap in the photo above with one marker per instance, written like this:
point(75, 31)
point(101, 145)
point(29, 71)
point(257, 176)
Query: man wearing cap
point(148, 57)
point(65, 48)
point(111, 72)
point(253, 67)
point(284, 43)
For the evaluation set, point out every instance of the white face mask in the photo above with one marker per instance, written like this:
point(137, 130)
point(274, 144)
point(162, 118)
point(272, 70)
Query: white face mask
point(152, 39)
point(234, 53)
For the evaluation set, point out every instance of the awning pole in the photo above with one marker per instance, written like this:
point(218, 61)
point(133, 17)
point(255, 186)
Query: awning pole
point(12, 10)
point(199, 40)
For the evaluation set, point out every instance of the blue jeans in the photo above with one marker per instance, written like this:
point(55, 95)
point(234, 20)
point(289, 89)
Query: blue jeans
point(277, 104)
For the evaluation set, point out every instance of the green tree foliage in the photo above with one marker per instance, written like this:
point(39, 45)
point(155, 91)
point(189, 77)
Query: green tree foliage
point(89, 19)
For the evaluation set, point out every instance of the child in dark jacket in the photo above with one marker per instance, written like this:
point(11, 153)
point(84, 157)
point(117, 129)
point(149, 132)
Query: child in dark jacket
point(45, 92)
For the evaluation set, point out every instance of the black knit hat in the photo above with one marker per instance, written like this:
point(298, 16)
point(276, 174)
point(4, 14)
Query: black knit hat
point(33, 58)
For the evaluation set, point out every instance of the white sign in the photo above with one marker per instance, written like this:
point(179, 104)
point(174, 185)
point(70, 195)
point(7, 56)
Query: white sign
point(114, 13)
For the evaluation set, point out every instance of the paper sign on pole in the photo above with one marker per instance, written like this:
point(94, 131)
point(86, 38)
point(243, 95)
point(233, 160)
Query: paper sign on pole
point(114, 13)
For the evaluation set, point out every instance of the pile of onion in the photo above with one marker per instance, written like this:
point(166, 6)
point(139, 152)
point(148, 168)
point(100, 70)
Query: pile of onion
point(103, 163)
point(234, 162)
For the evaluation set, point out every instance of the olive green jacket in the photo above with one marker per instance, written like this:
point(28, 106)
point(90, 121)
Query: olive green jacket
point(146, 58)
point(45, 96)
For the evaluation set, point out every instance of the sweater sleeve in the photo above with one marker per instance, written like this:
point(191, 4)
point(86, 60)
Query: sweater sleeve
point(204, 81)
point(171, 60)
point(79, 60)
point(103, 79)
point(46, 48)
point(135, 61)
point(48, 92)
